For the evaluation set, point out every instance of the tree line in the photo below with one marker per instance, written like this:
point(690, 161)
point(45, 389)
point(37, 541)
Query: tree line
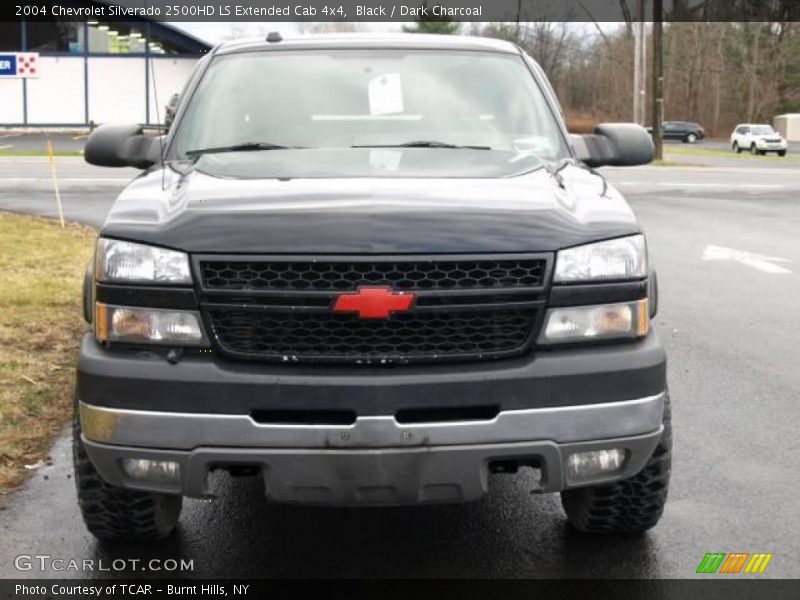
point(715, 73)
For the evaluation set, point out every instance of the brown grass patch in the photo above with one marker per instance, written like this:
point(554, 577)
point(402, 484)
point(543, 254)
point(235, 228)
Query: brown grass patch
point(41, 276)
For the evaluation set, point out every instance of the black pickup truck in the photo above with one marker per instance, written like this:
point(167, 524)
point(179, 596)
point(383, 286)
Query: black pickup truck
point(370, 271)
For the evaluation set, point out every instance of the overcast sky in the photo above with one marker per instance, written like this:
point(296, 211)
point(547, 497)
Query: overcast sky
point(216, 32)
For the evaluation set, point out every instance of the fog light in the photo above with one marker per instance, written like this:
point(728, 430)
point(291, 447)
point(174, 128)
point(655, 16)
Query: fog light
point(152, 470)
point(585, 465)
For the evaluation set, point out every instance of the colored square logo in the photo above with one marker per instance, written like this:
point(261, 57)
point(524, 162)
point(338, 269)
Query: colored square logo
point(27, 64)
point(734, 562)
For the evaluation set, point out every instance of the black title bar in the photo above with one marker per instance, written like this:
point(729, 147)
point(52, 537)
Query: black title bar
point(399, 10)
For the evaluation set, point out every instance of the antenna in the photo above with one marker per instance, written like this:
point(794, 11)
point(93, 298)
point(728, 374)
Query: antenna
point(152, 69)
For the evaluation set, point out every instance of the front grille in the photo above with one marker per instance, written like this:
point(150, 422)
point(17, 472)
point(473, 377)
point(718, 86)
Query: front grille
point(407, 336)
point(280, 309)
point(400, 274)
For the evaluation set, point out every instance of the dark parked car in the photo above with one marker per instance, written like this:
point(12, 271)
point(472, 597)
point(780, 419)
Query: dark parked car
point(684, 131)
point(370, 271)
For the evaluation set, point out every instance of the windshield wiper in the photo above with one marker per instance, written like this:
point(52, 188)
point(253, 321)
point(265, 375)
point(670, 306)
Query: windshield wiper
point(243, 147)
point(424, 144)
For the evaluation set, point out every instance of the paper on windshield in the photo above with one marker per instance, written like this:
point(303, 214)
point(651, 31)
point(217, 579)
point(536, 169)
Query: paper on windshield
point(385, 94)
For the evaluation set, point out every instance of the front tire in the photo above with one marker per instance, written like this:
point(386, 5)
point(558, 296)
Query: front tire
point(115, 514)
point(691, 138)
point(781, 152)
point(630, 506)
point(753, 150)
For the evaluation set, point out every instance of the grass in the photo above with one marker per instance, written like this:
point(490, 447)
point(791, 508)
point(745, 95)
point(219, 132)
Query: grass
point(40, 153)
point(41, 321)
point(716, 153)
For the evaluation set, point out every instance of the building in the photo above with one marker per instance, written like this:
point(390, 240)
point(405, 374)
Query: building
point(788, 126)
point(94, 71)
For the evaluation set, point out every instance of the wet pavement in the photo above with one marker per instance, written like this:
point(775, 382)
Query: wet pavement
point(730, 330)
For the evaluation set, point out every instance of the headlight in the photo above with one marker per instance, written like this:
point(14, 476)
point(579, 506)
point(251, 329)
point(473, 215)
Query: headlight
point(623, 258)
point(127, 262)
point(600, 322)
point(148, 325)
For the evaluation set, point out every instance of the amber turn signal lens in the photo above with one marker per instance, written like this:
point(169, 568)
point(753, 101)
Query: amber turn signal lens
point(148, 325)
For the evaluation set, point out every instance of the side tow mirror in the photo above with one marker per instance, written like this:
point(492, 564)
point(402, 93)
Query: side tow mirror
point(615, 145)
point(122, 146)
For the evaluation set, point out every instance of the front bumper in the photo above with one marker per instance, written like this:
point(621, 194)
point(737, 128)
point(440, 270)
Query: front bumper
point(376, 460)
point(207, 383)
point(206, 413)
point(771, 146)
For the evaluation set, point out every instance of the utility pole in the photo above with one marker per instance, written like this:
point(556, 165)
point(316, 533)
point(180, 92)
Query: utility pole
point(658, 76)
point(639, 65)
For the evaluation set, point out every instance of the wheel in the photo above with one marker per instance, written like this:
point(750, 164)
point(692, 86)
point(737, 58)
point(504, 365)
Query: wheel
point(736, 148)
point(753, 149)
point(115, 514)
point(630, 506)
point(691, 138)
point(781, 152)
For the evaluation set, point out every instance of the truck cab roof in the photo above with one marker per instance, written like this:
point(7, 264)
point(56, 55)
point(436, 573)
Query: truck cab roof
point(369, 40)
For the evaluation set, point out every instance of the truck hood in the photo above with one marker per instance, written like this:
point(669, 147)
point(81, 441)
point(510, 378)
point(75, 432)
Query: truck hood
point(199, 212)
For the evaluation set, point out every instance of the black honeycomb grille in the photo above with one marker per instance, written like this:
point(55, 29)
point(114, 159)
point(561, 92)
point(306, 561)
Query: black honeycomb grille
point(400, 275)
point(410, 336)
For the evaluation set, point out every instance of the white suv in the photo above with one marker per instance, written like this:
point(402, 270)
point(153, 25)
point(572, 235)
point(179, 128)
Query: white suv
point(758, 139)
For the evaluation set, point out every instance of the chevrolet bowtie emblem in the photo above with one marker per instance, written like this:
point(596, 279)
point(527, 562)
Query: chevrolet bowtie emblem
point(374, 302)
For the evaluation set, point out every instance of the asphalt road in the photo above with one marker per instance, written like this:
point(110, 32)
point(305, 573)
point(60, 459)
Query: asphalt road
point(18, 141)
point(729, 320)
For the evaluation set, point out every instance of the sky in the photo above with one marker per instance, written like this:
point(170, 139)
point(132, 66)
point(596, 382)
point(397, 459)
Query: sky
point(216, 32)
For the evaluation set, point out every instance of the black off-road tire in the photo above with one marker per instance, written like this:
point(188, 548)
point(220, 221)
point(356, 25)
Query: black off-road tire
point(629, 506)
point(115, 514)
point(781, 152)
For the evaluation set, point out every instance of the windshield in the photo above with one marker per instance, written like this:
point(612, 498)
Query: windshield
point(762, 130)
point(430, 101)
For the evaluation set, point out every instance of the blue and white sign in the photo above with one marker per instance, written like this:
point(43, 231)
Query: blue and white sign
point(8, 65)
point(19, 64)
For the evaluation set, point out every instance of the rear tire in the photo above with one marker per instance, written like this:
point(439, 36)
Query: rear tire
point(115, 514)
point(691, 138)
point(736, 148)
point(630, 506)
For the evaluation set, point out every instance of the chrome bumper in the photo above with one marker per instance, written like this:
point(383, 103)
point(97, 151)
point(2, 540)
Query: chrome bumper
point(375, 460)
